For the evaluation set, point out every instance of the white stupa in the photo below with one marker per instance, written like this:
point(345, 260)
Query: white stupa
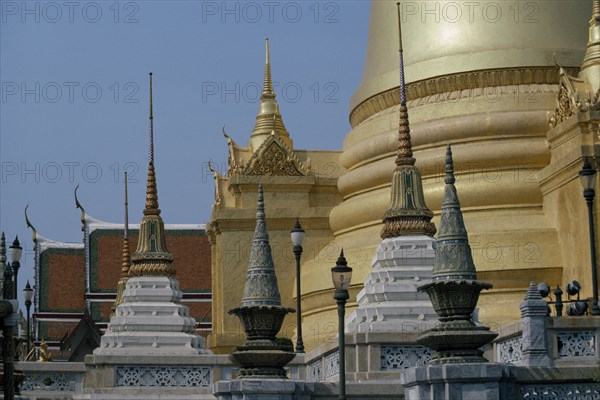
point(148, 318)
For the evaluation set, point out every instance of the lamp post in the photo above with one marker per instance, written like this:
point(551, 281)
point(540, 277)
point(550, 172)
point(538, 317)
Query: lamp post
point(588, 177)
point(341, 275)
point(14, 252)
point(8, 306)
point(297, 235)
point(28, 295)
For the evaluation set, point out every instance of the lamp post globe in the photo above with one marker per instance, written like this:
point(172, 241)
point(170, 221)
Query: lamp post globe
point(588, 180)
point(28, 296)
point(341, 275)
point(297, 235)
point(14, 253)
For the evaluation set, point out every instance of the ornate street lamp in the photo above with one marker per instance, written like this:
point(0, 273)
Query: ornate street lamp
point(14, 253)
point(341, 275)
point(588, 178)
point(28, 295)
point(297, 235)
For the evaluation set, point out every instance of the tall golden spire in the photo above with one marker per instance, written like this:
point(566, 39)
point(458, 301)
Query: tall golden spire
point(151, 256)
point(408, 214)
point(590, 68)
point(126, 257)
point(268, 92)
point(268, 112)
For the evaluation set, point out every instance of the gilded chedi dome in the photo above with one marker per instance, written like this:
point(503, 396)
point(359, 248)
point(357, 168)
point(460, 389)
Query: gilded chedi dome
point(449, 37)
point(484, 83)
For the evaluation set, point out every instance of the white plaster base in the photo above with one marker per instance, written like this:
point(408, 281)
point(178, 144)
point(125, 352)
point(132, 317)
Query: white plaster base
point(150, 321)
point(389, 302)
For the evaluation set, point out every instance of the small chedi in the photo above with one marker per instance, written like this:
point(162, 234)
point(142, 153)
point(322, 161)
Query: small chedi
point(454, 289)
point(261, 313)
point(148, 318)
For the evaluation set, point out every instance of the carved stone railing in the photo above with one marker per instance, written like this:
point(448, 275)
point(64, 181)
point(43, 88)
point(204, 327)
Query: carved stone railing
point(570, 339)
point(168, 376)
point(508, 351)
point(53, 379)
point(561, 390)
point(404, 356)
point(576, 343)
point(320, 365)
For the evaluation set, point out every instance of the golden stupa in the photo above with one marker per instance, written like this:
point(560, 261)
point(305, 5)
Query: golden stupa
point(483, 77)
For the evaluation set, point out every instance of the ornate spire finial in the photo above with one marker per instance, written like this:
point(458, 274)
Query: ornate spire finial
point(151, 138)
point(126, 260)
point(268, 92)
point(261, 283)
point(449, 179)
point(125, 257)
point(151, 188)
point(260, 206)
point(408, 214)
point(596, 9)
point(453, 257)
point(405, 155)
point(151, 256)
point(268, 119)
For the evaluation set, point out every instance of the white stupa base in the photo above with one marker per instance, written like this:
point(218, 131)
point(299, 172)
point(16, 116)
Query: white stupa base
point(389, 301)
point(150, 321)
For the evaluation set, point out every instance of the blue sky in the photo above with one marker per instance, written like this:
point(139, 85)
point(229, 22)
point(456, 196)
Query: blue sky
point(74, 99)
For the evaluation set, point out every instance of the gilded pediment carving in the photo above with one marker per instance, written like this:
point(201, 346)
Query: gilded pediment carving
point(573, 96)
point(274, 158)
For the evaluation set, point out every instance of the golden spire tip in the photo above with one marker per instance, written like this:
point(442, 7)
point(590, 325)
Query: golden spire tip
point(267, 58)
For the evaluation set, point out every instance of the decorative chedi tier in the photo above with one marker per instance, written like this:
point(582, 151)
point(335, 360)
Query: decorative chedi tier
point(149, 319)
point(454, 289)
point(261, 312)
point(404, 258)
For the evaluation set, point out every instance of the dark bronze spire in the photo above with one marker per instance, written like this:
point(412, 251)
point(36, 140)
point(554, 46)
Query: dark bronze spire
point(151, 256)
point(453, 258)
point(261, 283)
point(408, 214)
point(125, 257)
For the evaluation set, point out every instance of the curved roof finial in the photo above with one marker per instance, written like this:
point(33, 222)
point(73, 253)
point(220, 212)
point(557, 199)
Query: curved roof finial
point(29, 225)
point(79, 206)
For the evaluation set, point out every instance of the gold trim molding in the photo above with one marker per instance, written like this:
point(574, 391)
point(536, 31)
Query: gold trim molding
point(456, 82)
